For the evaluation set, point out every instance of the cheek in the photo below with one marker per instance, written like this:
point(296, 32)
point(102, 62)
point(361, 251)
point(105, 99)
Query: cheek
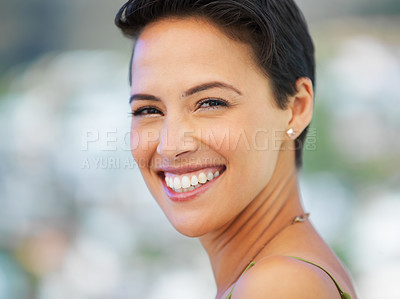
point(246, 138)
point(218, 138)
point(135, 144)
point(143, 144)
point(252, 153)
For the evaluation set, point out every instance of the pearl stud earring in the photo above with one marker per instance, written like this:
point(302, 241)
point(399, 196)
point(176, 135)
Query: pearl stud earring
point(291, 133)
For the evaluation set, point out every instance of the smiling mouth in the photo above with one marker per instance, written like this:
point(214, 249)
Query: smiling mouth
point(188, 182)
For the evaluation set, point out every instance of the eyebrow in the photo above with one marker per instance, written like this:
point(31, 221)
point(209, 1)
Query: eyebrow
point(143, 97)
point(189, 92)
point(210, 85)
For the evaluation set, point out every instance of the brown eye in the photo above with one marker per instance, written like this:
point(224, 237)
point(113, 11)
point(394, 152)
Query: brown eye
point(212, 103)
point(143, 111)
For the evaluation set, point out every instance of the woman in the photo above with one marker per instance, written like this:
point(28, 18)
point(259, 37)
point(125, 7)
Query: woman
point(221, 97)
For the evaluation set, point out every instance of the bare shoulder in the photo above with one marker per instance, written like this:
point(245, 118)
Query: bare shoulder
point(284, 277)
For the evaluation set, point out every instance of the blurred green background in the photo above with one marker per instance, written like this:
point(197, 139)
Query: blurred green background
point(76, 220)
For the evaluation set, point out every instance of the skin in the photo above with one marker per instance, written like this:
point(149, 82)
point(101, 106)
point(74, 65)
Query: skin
point(239, 127)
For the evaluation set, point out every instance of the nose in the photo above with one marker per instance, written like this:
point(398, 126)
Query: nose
point(177, 139)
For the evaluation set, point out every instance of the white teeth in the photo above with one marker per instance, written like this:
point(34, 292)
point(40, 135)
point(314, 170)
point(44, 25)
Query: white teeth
point(177, 183)
point(194, 181)
point(210, 176)
point(202, 178)
point(185, 182)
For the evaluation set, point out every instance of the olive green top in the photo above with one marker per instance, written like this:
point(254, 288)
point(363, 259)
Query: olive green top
point(342, 294)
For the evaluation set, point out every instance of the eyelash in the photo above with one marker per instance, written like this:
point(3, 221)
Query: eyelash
point(213, 103)
point(219, 102)
point(140, 111)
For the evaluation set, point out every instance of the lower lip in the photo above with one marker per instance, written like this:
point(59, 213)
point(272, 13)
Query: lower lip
point(189, 195)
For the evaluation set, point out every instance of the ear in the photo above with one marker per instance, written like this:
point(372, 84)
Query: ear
point(301, 106)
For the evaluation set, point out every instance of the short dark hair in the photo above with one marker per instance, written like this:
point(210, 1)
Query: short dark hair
point(275, 29)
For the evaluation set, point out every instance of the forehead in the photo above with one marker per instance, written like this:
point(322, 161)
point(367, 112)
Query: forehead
point(189, 47)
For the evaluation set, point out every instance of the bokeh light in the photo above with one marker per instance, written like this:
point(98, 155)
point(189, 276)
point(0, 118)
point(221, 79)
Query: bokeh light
point(76, 220)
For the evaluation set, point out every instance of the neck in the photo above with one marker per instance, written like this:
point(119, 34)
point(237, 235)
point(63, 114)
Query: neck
point(235, 245)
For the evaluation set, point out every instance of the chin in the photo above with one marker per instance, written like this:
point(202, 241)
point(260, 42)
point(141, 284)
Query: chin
point(190, 228)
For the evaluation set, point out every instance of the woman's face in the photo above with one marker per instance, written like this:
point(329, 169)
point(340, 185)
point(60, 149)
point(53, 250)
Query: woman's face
point(206, 131)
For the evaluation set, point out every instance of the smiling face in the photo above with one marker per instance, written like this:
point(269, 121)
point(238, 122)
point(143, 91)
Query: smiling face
point(206, 131)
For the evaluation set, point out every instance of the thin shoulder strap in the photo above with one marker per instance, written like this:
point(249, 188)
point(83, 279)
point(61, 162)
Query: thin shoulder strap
point(343, 294)
point(248, 267)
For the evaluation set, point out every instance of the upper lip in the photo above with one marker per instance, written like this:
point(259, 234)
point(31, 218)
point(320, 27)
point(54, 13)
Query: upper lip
point(185, 169)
